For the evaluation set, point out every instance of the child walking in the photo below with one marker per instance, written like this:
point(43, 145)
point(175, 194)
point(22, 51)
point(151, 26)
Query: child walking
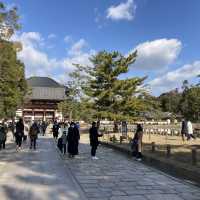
point(64, 142)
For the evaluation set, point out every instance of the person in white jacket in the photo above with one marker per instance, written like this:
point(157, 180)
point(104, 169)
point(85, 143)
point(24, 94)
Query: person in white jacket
point(189, 130)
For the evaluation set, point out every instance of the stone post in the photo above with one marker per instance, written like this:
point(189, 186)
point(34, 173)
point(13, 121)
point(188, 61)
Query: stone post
point(194, 156)
point(168, 150)
point(153, 147)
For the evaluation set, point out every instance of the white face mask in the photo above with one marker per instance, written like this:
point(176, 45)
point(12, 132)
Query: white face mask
point(72, 126)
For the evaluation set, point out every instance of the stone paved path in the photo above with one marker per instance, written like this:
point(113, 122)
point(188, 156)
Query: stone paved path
point(36, 175)
point(43, 175)
point(115, 177)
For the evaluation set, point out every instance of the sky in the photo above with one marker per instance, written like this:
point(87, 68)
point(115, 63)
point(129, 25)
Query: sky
point(59, 33)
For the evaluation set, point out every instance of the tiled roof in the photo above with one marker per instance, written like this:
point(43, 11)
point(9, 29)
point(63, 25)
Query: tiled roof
point(37, 81)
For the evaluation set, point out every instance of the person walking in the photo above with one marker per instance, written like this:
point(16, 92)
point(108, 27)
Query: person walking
point(183, 129)
point(19, 133)
point(94, 142)
point(63, 127)
point(73, 138)
point(190, 130)
point(137, 143)
point(55, 130)
point(12, 128)
point(64, 142)
point(33, 134)
point(3, 135)
point(44, 127)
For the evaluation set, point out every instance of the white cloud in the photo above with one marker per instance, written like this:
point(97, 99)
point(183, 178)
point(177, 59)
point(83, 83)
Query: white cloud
point(37, 62)
point(51, 36)
point(31, 38)
point(67, 39)
point(157, 54)
point(123, 11)
point(174, 79)
point(78, 47)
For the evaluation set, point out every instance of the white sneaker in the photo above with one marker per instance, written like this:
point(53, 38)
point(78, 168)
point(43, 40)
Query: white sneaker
point(139, 159)
point(94, 158)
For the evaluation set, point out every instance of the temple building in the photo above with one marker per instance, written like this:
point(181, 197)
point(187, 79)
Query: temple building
point(42, 100)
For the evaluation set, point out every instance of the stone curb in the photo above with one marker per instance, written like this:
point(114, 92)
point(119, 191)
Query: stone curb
point(177, 170)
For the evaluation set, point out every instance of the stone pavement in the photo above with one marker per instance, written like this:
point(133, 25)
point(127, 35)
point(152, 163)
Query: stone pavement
point(116, 177)
point(43, 175)
point(36, 175)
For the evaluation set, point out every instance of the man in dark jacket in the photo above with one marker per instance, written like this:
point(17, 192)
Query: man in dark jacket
point(55, 130)
point(184, 129)
point(94, 142)
point(33, 134)
point(3, 135)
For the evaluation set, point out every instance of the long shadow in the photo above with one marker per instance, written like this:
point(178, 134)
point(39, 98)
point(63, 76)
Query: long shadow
point(42, 169)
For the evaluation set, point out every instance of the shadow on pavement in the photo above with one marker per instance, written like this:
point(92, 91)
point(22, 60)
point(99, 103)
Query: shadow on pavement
point(36, 175)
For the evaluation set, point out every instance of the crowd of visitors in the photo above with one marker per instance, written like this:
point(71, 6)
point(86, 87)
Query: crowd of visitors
point(67, 136)
point(20, 132)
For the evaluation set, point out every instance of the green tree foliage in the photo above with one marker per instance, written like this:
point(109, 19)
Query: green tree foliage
point(198, 84)
point(186, 103)
point(111, 96)
point(12, 80)
point(170, 101)
point(76, 106)
point(190, 103)
point(8, 21)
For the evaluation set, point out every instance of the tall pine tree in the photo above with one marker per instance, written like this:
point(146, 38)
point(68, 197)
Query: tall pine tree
point(110, 95)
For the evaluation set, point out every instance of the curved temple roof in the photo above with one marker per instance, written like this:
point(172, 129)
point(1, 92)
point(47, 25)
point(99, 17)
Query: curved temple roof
point(44, 88)
point(37, 81)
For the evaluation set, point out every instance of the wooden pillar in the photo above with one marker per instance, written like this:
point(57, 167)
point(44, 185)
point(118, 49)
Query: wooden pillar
point(33, 115)
point(44, 115)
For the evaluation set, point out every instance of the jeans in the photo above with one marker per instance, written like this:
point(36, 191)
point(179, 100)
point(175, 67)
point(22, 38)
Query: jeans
point(64, 148)
point(2, 144)
point(33, 143)
point(19, 140)
point(93, 150)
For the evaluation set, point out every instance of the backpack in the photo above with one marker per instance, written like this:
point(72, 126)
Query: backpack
point(33, 131)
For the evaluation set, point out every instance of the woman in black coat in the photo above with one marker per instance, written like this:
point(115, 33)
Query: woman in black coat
point(19, 133)
point(73, 138)
point(94, 141)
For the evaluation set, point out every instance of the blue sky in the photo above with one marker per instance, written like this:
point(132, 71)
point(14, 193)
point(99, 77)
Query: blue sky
point(56, 34)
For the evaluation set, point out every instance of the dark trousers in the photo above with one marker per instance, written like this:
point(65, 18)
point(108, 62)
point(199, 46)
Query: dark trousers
point(189, 136)
point(183, 136)
point(2, 144)
point(136, 153)
point(33, 143)
point(64, 148)
point(93, 150)
point(19, 140)
point(43, 131)
point(55, 135)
